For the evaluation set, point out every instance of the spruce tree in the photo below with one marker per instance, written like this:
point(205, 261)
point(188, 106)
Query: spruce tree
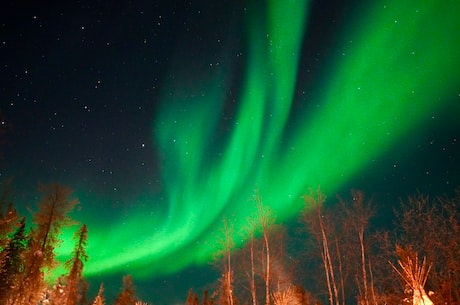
point(100, 300)
point(13, 264)
point(8, 223)
point(128, 295)
point(75, 285)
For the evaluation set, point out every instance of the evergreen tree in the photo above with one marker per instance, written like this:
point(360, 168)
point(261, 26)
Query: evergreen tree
point(13, 264)
point(99, 300)
point(9, 218)
point(75, 285)
point(8, 223)
point(128, 295)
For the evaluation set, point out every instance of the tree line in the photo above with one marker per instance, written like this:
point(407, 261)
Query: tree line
point(343, 258)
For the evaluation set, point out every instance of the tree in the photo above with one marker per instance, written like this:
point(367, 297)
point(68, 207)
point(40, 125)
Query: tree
point(266, 221)
point(75, 286)
point(13, 265)
point(251, 275)
point(9, 218)
point(225, 290)
point(100, 300)
point(128, 294)
point(260, 266)
point(319, 226)
point(192, 298)
point(51, 217)
point(355, 225)
point(8, 223)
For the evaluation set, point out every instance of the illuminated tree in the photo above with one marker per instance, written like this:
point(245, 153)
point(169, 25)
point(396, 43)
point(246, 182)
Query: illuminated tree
point(128, 294)
point(260, 266)
point(340, 234)
point(100, 300)
point(192, 298)
point(319, 226)
point(75, 286)
point(225, 290)
point(356, 217)
point(251, 274)
point(51, 216)
point(266, 222)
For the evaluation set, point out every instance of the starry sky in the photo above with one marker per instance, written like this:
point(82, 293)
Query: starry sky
point(165, 116)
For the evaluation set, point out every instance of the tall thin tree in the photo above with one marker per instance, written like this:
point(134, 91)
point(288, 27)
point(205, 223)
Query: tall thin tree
point(318, 226)
point(225, 291)
point(75, 286)
point(51, 217)
point(265, 219)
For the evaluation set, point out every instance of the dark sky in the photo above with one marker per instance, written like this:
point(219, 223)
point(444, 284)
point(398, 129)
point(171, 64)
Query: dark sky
point(90, 92)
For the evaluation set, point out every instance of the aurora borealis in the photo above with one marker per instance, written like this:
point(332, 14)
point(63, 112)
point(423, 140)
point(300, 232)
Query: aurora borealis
point(253, 96)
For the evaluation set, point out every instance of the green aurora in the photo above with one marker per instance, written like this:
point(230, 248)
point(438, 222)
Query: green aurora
point(399, 62)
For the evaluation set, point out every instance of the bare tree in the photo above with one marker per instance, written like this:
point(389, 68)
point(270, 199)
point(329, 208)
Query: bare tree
point(265, 219)
point(225, 289)
point(318, 225)
point(355, 225)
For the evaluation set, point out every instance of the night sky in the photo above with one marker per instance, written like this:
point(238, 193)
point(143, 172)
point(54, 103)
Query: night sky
point(165, 116)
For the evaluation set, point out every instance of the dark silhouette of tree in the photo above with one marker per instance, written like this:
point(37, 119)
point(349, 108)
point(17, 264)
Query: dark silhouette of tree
point(128, 294)
point(9, 218)
point(8, 223)
point(386, 282)
point(51, 217)
point(75, 285)
point(13, 264)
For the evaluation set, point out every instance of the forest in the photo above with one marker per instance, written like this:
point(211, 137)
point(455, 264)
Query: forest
point(344, 258)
